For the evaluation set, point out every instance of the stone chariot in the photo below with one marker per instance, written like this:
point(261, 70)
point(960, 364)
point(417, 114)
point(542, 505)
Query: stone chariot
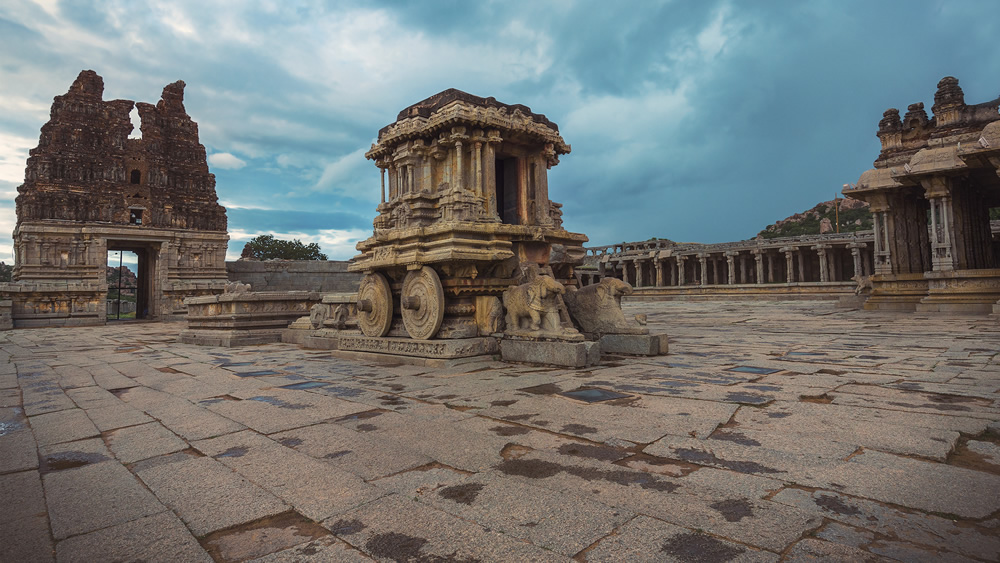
point(465, 214)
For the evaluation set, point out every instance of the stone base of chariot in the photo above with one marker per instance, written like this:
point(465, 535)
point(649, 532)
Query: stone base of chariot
point(354, 344)
point(634, 344)
point(551, 352)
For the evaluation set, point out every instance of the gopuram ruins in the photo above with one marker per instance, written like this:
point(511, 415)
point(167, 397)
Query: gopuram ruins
point(90, 189)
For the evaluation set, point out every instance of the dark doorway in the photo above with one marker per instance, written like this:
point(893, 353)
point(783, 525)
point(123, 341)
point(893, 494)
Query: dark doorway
point(506, 189)
point(123, 285)
point(136, 282)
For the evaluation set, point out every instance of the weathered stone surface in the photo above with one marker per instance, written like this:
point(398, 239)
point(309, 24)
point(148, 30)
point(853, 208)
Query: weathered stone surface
point(311, 487)
point(95, 496)
point(648, 539)
point(551, 352)
point(22, 494)
point(26, 539)
point(161, 537)
point(634, 344)
point(825, 442)
point(144, 441)
point(62, 426)
point(418, 531)
point(207, 495)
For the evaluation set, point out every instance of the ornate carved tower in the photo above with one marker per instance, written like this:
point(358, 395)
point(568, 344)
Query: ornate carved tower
point(89, 188)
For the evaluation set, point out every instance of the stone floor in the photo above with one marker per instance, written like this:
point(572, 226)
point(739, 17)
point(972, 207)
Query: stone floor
point(773, 431)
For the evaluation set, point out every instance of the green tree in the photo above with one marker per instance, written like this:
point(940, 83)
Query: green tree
point(6, 272)
point(994, 213)
point(266, 247)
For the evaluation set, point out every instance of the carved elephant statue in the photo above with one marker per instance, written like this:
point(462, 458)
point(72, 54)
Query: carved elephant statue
point(535, 301)
point(597, 308)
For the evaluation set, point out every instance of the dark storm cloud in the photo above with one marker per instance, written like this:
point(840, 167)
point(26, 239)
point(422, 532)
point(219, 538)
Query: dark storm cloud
point(695, 121)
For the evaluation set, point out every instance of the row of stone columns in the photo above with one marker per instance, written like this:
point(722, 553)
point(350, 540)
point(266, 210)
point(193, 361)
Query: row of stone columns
point(786, 264)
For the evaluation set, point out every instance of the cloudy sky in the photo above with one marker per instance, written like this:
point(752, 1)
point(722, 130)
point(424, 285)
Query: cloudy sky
point(695, 121)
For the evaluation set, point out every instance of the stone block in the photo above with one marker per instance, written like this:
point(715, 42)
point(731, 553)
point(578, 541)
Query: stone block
point(634, 344)
point(551, 352)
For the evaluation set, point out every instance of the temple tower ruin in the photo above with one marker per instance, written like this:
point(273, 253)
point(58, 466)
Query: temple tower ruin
point(90, 189)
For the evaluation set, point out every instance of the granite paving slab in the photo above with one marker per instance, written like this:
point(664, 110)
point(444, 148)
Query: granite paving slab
point(648, 539)
point(361, 453)
point(208, 496)
point(161, 537)
point(144, 441)
point(62, 426)
point(95, 496)
point(310, 486)
point(417, 532)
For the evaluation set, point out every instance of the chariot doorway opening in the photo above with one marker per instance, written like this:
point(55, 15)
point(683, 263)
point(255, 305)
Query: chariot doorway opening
point(130, 281)
point(507, 190)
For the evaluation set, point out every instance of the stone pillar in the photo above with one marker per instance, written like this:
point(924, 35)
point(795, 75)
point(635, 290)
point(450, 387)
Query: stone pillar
point(802, 264)
point(743, 268)
point(731, 263)
point(382, 171)
point(703, 268)
point(824, 272)
point(673, 275)
point(758, 257)
point(659, 272)
point(409, 178)
point(490, 180)
point(459, 178)
point(638, 273)
point(477, 167)
point(393, 183)
point(789, 263)
point(859, 269)
point(938, 193)
point(883, 263)
point(680, 269)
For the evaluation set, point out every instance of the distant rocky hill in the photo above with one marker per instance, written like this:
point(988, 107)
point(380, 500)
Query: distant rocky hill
point(853, 216)
point(129, 278)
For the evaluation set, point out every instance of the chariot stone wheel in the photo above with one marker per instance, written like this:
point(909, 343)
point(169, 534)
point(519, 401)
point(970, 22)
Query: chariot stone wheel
point(422, 303)
point(374, 305)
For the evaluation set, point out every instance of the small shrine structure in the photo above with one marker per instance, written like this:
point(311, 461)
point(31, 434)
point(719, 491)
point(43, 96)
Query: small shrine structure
point(930, 192)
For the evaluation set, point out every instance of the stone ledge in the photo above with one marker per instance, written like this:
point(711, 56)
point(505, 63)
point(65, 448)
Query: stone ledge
point(551, 352)
point(634, 344)
point(230, 338)
point(433, 349)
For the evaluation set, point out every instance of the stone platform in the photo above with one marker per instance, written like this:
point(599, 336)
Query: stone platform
point(634, 344)
point(552, 353)
point(774, 431)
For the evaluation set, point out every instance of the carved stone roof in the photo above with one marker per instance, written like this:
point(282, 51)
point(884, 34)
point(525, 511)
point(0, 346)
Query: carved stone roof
point(438, 113)
point(425, 108)
point(903, 138)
